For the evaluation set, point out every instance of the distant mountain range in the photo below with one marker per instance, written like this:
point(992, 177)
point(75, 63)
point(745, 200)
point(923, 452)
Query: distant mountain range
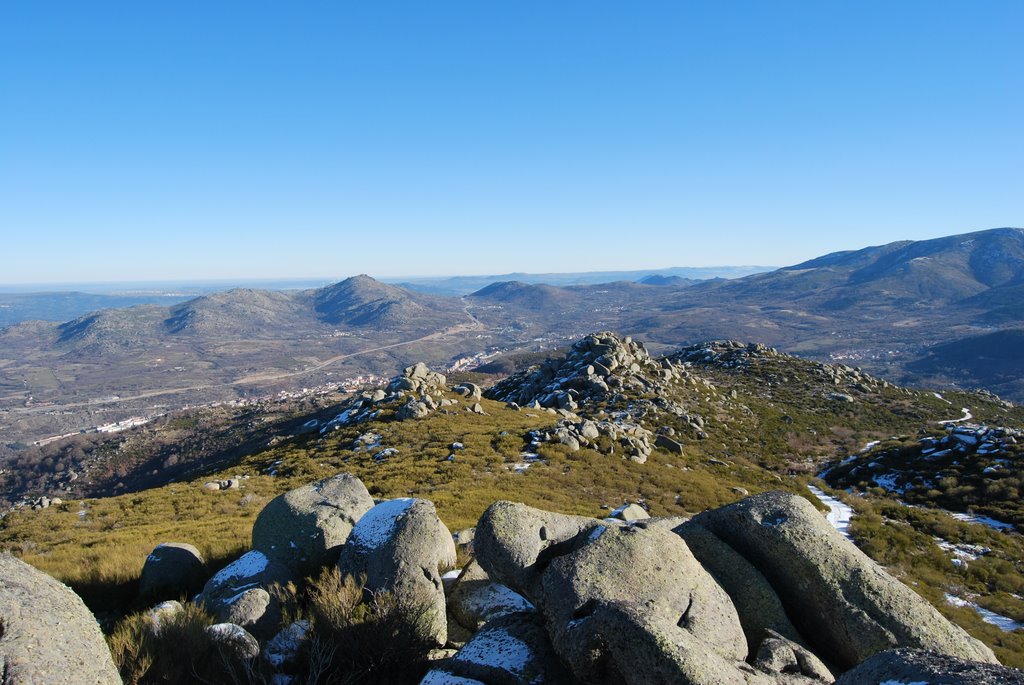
point(949, 310)
point(464, 285)
point(358, 302)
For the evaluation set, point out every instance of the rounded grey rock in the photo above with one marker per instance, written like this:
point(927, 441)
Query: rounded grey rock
point(919, 666)
point(402, 547)
point(306, 527)
point(514, 543)
point(47, 635)
point(172, 569)
point(233, 641)
point(232, 592)
point(650, 569)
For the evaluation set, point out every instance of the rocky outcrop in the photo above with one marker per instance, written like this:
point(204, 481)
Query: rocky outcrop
point(306, 527)
point(401, 547)
point(835, 595)
point(760, 592)
point(420, 390)
point(417, 379)
point(629, 603)
point(918, 666)
point(594, 367)
point(617, 387)
point(625, 437)
point(47, 635)
point(172, 569)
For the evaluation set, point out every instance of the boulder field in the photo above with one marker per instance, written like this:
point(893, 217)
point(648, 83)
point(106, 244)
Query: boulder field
point(759, 592)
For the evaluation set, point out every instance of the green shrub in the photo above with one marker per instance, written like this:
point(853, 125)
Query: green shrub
point(359, 636)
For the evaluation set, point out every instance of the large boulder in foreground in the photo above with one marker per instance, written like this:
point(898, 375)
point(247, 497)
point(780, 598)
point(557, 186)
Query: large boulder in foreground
point(759, 607)
point(171, 570)
point(306, 527)
point(838, 598)
point(917, 666)
point(646, 651)
point(47, 635)
point(514, 543)
point(402, 547)
point(652, 574)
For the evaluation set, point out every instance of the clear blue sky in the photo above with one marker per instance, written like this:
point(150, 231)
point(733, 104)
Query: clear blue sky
point(173, 140)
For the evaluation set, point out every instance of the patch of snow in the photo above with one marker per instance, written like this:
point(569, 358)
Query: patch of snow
point(452, 575)
point(246, 566)
point(438, 677)
point(495, 599)
point(984, 520)
point(839, 513)
point(227, 630)
point(1004, 623)
point(498, 649)
point(888, 482)
point(962, 552)
point(284, 646)
point(241, 590)
point(967, 416)
point(377, 525)
point(873, 443)
point(941, 398)
point(903, 682)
